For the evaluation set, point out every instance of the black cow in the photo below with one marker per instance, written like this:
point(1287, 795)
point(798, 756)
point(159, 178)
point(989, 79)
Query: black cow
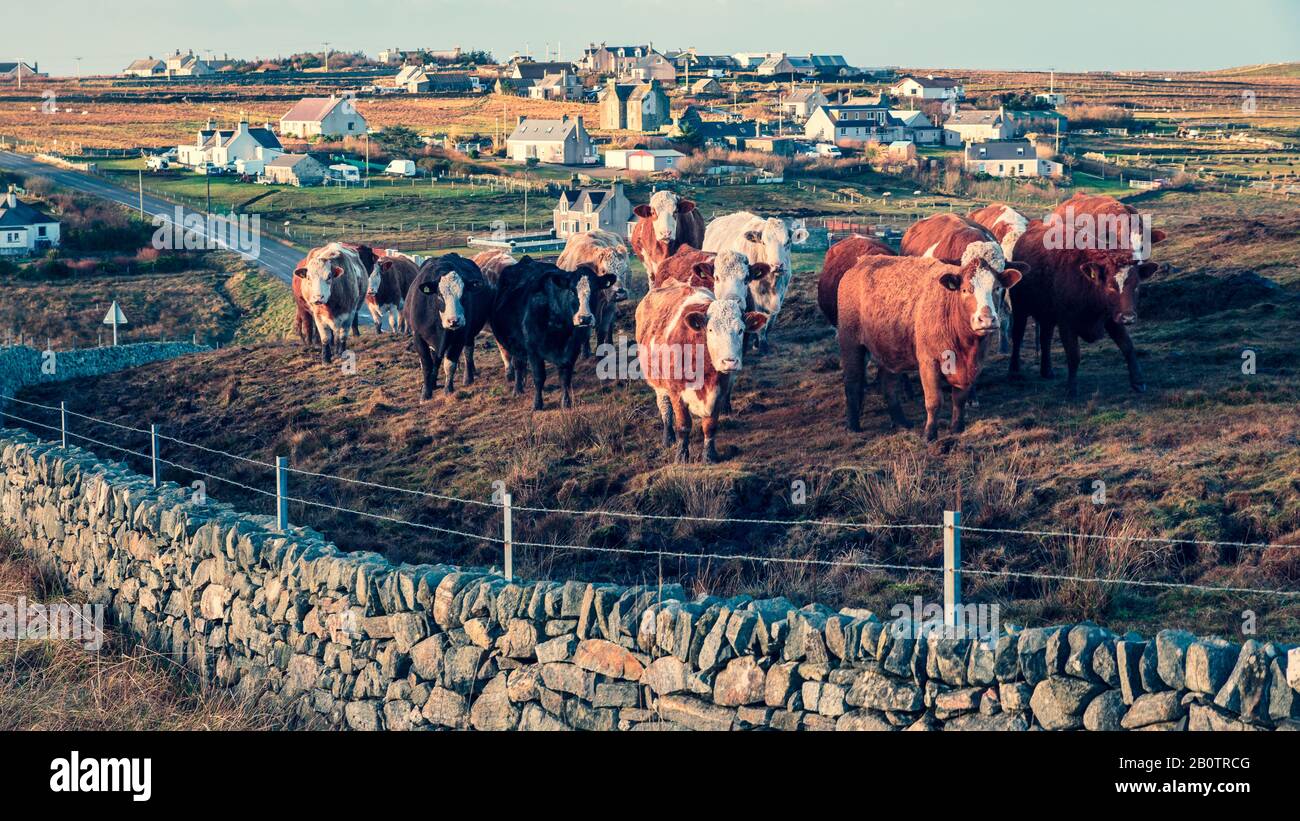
point(544, 314)
point(446, 306)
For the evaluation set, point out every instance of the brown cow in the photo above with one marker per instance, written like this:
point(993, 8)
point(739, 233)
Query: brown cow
point(725, 273)
point(663, 226)
point(840, 257)
point(1086, 260)
point(1005, 223)
point(687, 342)
point(919, 314)
point(492, 262)
point(333, 287)
point(303, 325)
point(386, 289)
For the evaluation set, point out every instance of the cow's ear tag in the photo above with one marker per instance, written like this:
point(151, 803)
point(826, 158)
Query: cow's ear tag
point(426, 288)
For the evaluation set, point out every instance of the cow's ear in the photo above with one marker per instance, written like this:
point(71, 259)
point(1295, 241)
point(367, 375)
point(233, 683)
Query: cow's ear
point(300, 272)
point(525, 258)
point(336, 272)
point(606, 281)
point(703, 269)
point(1093, 271)
point(645, 212)
point(753, 236)
point(1146, 270)
point(698, 320)
point(754, 320)
point(799, 236)
point(685, 206)
point(1009, 276)
point(758, 270)
point(950, 281)
point(1157, 235)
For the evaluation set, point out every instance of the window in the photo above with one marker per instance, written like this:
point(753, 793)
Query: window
point(40, 232)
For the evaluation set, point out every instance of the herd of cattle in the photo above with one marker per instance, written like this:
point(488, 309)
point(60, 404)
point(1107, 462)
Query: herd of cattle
point(933, 307)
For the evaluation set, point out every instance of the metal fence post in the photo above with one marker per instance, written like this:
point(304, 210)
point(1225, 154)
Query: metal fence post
point(508, 536)
point(153, 452)
point(282, 492)
point(63, 423)
point(951, 566)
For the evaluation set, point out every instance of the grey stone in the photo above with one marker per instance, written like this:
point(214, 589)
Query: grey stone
point(666, 675)
point(1209, 663)
point(1171, 657)
point(1246, 690)
point(1058, 702)
point(1154, 708)
point(782, 680)
point(862, 720)
point(695, 714)
point(879, 692)
point(1105, 712)
point(742, 681)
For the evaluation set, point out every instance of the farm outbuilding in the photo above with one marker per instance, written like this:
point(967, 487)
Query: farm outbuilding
point(294, 169)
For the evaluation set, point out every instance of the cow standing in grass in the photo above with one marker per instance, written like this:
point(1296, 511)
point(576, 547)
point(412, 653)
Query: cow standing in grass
point(761, 240)
point(333, 288)
point(840, 257)
point(386, 290)
point(606, 252)
point(542, 314)
point(920, 314)
point(446, 306)
point(1086, 261)
point(687, 342)
point(663, 226)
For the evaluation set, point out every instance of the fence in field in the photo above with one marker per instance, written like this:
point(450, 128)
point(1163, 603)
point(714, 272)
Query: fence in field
point(951, 529)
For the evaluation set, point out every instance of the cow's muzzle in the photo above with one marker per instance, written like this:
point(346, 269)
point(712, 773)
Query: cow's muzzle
point(453, 324)
point(620, 294)
point(584, 320)
point(729, 364)
point(1126, 318)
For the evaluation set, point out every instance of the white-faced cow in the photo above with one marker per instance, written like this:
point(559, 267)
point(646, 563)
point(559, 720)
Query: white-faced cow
point(726, 273)
point(687, 341)
point(761, 240)
point(664, 225)
point(1086, 260)
point(919, 314)
point(543, 314)
point(386, 290)
point(333, 286)
point(606, 252)
point(446, 306)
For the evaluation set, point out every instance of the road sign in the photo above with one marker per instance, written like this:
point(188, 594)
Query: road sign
point(115, 317)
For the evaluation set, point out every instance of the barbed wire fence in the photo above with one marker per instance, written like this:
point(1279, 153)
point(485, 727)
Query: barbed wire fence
point(951, 530)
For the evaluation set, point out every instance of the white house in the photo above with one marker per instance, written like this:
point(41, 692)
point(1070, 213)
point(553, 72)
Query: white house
point(324, 117)
point(646, 159)
point(928, 87)
point(976, 125)
point(146, 67)
point(564, 142)
point(186, 65)
point(918, 126)
point(249, 149)
point(24, 229)
point(802, 101)
point(859, 122)
point(653, 66)
point(1054, 98)
point(1008, 158)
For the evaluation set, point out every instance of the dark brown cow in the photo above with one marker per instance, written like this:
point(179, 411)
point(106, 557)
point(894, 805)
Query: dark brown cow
point(1086, 260)
point(663, 226)
point(687, 343)
point(386, 289)
point(917, 314)
point(840, 257)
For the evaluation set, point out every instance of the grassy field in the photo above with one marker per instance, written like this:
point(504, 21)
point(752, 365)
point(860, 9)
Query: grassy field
point(224, 301)
point(1209, 453)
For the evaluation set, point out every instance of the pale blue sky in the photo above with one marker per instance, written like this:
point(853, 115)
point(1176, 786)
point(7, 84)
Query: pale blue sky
point(1087, 35)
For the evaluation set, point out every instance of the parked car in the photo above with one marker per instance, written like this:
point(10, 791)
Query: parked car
point(158, 162)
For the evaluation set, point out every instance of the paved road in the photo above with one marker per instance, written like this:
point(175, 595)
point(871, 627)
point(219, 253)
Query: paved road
point(277, 257)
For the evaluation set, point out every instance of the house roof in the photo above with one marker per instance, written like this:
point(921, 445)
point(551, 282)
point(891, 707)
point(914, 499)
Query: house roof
point(931, 82)
point(704, 85)
point(911, 119)
point(21, 214)
point(975, 116)
point(287, 160)
point(719, 130)
point(144, 63)
point(578, 198)
point(409, 73)
point(1002, 150)
point(802, 94)
point(531, 130)
point(836, 112)
point(312, 109)
point(551, 81)
point(536, 71)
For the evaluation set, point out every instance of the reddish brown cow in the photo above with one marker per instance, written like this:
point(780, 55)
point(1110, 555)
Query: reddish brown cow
point(687, 344)
point(1086, 260)
point(840, 257)
point(664, 225)
point(303, 325)
point(725, 273)
point(918, 314)
point(1003, 222)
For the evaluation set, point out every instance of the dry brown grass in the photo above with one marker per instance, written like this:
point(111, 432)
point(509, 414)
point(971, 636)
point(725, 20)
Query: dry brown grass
point(51, 684)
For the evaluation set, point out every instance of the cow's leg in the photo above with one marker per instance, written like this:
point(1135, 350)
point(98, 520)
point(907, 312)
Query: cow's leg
point(891, 384)
point(451, 351)
point(566, 385)
point(959, 400)
point(1045, 328)
point(327, 344)
point(682, 421)
point(1125, 343)
point(538, 368)
point(356, 315)
point(665, 403)
point(469, 363)
point(932, 382)
point(505, 360)
point(518, 376)
point(709, 425)
point(1070, 341)
point(1019, 319)
point(762, 335)
point(426, 367)
point(853, 361)
point(376, 316)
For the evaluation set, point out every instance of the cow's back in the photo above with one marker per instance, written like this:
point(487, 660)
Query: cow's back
point(690, 228)
point(943, 237)
point(492, 262)
point(840, 257)
point(727, 233)
point(680, 267)
point(880, 301)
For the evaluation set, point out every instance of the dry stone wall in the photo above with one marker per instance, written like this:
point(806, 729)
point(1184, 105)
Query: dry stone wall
point(350, 640)
point(21, 366)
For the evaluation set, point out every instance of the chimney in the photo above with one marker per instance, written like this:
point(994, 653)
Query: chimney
point(579, 121)
point(11, 199)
